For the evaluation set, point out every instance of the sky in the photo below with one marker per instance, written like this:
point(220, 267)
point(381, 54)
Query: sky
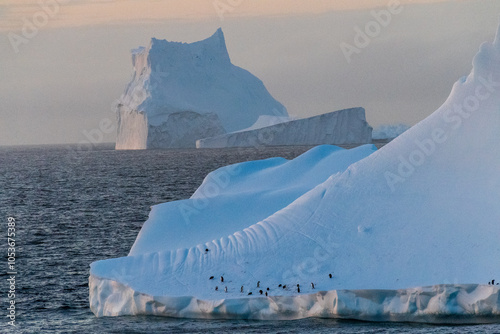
point(63, 63)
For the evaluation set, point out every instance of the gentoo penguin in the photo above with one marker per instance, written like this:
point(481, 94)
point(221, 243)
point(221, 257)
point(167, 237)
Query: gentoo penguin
point(330, 275)
point(222, 279)
point(312, 285)
point(298, 288)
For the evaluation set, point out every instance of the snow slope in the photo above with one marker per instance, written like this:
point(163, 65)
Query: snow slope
point(181, 78)
point(237, 196)
point(419, 217)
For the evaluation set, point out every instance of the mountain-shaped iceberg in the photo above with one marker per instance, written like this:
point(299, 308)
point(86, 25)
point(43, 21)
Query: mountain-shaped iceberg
point(181, 92)
point(409, 233)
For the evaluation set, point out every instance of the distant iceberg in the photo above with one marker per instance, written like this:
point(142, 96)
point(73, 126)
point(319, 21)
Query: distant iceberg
point(182, 92)
point(341, 127)
point(389, 131)
point(410, 232)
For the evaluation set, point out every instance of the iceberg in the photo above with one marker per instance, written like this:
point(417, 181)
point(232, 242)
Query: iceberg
point(182, 92)
point(408, 233)
point(341, 127)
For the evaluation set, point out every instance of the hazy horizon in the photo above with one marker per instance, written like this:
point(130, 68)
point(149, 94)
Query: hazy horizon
point(62, 82)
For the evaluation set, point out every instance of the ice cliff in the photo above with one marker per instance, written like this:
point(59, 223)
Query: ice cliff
point(346, 126)
point(182, 92)
point(410, 232)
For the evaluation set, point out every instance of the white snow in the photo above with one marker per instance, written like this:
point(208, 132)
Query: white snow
point(347, 126)
point(172, 77)
point(409, 233)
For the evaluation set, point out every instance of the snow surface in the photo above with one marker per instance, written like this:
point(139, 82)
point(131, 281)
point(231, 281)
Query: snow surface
point(389, 131)
point(340, 127)
point(172, 77)
point(237, 196)
point(421, 211)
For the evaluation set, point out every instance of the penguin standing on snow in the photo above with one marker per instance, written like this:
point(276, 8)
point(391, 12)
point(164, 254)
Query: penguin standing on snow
point(211, 277)
point(298, 288)
point(493, 282)
point(222, 279)
point(266, 293)
point(312, 285)
point(241, 290)
point(249, 293)
point(258, 284)
point(330, 275)
point(260, 291)
point(216, 288)
point(225, 289)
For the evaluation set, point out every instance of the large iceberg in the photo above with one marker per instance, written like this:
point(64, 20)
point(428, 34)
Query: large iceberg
point(182, 92)
point(341, 127)
point(409, 233)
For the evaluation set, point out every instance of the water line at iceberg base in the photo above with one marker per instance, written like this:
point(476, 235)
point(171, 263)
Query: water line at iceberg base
point(438, 304)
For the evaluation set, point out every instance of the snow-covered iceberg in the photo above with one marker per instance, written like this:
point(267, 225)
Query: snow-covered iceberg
point(409, 233)
point(341, 127)
point(182, 92)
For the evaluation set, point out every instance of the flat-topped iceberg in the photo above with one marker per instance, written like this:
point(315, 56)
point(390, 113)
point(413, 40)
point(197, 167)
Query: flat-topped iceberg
point(411, 232)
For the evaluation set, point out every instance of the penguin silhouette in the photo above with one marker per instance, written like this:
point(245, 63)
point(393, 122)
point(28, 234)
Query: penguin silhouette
point(216, 288)
point(312, 285)
point(249, 293)
point(241, 290)
point(493, 282)
point(298, 288)
point(279, 286)
point(211, 277)
point(222, 279)
point(330, 275)
point(258, 284)
point(267, 289)
point(206, 250)
point(260, 291)
point(266, 293)
point(284, 286)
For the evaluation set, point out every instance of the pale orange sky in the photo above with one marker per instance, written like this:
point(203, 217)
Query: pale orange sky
point(90, 12)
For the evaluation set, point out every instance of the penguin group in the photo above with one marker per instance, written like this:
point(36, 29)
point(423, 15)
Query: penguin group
point(492, 282)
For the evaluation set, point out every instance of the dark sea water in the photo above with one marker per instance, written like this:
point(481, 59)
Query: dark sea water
point(74, 206)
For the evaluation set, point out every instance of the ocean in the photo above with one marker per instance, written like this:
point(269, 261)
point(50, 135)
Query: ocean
point(75, 205)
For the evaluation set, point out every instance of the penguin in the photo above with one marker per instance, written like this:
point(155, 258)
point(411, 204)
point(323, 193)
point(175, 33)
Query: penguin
point(298, 288)
point(206, 250)
point(241, 290)
point(284, 286)
point(266, 293)
point(267, 289)
point(279, 286)
point(258, 284)
point(211, 277)
point(330, 275)
point(260, 291)
point(493, 282)
point(249, 293)
point(216, 288)
point(225, 289)
point(312, 285)
point(222, 279)
point(489, 283)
